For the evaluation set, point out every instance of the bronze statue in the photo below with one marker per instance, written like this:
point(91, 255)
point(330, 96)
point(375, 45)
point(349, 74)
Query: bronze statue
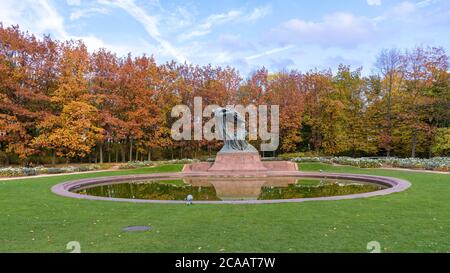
point(231, 128)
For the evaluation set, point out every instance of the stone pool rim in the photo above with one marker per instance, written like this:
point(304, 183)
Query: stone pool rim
point(394, 185)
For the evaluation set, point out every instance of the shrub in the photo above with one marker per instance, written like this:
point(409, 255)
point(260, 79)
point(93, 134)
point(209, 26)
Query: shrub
point(136, 164)
point(141, 164)
point(297, 154)
point(436, 163)
point(27, 171)
point(10, 171)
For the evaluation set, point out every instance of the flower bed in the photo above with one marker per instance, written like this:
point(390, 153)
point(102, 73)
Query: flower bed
point(436, 163)
point(27, 171)
point(140, 164)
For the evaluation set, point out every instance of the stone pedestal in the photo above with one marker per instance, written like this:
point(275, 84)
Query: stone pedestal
point(238, 161)
point(235, 163)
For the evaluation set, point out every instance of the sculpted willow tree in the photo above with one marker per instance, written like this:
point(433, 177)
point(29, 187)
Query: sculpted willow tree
point(215, 85)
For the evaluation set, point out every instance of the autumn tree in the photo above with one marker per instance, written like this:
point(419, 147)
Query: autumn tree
point(325, 114)
point(426, 73)
point(390, 65)
point(57, 98)
point(71, 94)
point(103, 73)
point(26, 80)
point(72, 133)
point(441, 145)
point(358, 129)
point(285, 91)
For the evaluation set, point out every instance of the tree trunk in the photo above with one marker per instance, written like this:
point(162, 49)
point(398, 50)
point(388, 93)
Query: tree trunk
point(53, 157)
point(122, 150)
point(100, 150)
point(414, 143)
point(131, 149)
point(149, 155)
point(137, 155)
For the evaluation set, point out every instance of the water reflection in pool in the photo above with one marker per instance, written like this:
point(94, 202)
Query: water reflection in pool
point(216, 189)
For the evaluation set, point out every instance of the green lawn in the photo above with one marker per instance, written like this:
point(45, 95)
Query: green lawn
point(33, 219)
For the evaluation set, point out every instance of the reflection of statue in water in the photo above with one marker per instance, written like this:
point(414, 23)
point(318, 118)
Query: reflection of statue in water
point(231, 127)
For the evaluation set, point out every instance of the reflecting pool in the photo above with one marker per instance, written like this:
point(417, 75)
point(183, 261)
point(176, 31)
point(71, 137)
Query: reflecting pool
point(227, 188)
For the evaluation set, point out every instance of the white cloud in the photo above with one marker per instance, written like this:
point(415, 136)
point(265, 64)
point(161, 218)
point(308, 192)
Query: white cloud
point(82, 13)
point(403, 8)
point(222, 18)
point(73, 2)
point(177, 19)
point(206, 27)
point(425, 3)
point(41, 17)
point(150, 24)
point(336, 29)
point(38, 17)
point(373, 2)
point(410, 12)
point(269, 52)
point(258, 13)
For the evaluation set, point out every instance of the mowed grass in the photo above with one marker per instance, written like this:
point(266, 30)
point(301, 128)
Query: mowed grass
point(33, 219)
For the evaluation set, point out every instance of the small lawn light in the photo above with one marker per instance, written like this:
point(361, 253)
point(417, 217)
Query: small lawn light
point(189, 199)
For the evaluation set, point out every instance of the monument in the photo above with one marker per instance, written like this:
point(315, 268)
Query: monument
point(237, 155)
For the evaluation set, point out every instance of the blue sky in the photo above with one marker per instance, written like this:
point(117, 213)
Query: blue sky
point(282, 34)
